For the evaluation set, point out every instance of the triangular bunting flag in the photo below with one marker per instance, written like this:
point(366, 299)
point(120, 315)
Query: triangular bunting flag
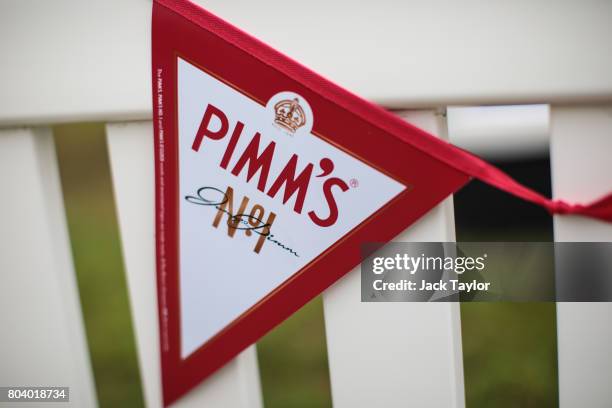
point(265, 190)
point(268, 180)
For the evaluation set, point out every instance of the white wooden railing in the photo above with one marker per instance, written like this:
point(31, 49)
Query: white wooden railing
point(70, 61)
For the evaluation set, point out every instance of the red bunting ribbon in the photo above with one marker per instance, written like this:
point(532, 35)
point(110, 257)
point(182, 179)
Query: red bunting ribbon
point(477, 168)
point(453, 156)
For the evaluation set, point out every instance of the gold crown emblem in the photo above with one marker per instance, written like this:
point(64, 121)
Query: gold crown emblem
point(289, 114)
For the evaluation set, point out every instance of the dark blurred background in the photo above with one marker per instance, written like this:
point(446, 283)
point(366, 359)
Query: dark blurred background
point(509, 349)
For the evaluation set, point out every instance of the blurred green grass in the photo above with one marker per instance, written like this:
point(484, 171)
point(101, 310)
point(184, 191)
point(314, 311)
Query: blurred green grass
point(509, 349)
point(94, 234)
point(509, 354)
point(293, 361)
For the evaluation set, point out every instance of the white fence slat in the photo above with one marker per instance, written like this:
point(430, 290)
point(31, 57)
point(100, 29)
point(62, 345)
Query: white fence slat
point(501, 132)
point(449, 53)
point(104, 73)
point(42, 336)
point(581, 144)
point(397, 354)
point(132, 164)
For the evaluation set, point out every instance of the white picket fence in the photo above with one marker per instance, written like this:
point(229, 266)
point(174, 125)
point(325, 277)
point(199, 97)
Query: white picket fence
point(72, 61)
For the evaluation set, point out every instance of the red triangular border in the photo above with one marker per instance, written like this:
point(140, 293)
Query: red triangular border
point(356, 126)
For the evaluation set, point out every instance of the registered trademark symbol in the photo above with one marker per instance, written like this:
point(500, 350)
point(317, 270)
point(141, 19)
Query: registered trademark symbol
point(354, 183)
